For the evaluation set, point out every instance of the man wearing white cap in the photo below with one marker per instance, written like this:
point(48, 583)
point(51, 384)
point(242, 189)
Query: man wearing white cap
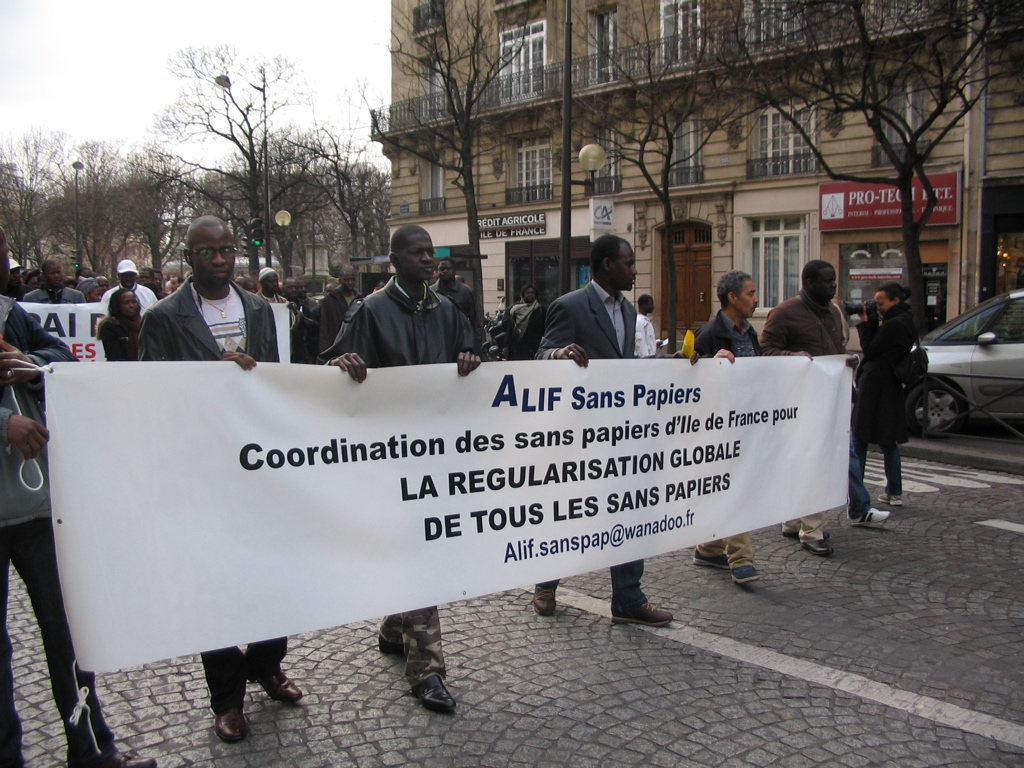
point(128, 274)
point(270, 286)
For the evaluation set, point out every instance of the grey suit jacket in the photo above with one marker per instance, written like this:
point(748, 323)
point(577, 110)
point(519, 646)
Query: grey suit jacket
point(580, 318)
point(67, 296)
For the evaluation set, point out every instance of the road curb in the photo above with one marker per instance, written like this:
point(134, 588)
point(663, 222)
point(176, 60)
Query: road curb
point(991, 455)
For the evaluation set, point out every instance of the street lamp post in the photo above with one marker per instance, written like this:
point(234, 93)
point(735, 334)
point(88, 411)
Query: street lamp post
point(78, 165)
point(565, 263)
point(223, 81)
point(592, 157)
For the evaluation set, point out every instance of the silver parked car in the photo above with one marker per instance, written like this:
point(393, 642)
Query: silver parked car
point(979, 355)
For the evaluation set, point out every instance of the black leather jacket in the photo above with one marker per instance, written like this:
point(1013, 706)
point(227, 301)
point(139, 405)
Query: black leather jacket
point(387, 329)
point(174, 329)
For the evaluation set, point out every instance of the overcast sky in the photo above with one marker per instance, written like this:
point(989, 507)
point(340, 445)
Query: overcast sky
point(97, 69)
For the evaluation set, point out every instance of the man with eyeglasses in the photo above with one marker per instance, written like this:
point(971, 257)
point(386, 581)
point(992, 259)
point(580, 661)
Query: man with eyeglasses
point(210, 318)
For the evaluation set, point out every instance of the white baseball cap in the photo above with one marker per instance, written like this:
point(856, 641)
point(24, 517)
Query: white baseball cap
point(126, 265)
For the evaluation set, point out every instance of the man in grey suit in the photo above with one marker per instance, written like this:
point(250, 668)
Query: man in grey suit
point(53, 290)
point(598, 322)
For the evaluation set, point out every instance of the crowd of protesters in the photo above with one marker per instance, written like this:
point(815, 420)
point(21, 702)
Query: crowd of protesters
point(233, 321)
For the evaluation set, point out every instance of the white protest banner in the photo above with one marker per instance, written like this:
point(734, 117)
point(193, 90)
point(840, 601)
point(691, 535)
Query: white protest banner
point(289, 498)
point(75, 325)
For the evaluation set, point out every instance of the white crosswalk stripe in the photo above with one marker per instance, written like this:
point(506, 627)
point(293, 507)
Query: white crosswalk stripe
point(925, 477)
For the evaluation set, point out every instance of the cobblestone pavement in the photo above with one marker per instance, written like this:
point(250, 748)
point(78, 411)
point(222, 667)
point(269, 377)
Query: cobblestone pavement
point(903, 649)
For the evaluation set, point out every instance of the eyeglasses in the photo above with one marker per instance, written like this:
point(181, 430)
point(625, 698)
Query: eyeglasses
point(209, 253)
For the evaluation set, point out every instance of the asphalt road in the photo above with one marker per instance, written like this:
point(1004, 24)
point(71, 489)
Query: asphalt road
point(903, 649)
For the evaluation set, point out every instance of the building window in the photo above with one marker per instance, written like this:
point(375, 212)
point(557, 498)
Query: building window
point(523, 56)
point(906, 109)
point(432, 85)
point(608, 180)
point(429, 14)
point(432, 200)
point(781, 149)
point(686, 155)
point(777, 254)
point(533, 171)
point(773, 23)
point(604, 40)
point(680, 30)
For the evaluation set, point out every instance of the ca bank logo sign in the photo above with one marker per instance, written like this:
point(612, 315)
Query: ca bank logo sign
point(601, 215)
point(833, 206)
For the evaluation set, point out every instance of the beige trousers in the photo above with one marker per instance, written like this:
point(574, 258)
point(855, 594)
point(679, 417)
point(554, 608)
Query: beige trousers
point(811, 527)
point(738, 549)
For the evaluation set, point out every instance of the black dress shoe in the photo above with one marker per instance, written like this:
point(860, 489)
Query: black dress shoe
point(127, 760)
point(280, 688)
point(386, 646)
point(434, 696)
point(230, 724)
point(821, 547)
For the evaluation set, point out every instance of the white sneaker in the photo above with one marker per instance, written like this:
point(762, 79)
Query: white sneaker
point(871, 519)
point(893, 500)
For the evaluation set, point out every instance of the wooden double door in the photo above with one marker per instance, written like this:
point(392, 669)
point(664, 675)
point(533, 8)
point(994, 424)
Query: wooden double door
point(695, 294)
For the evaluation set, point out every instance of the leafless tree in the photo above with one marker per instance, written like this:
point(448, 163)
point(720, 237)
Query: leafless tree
point(104, 227)
point(655, 101)
point(357, 189)
point(450, 49)
point(229, 102)
point(157, 205)
point(29, 170)
point(907, 72)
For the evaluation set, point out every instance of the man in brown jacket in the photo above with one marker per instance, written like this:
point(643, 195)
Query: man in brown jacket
point(808, 324)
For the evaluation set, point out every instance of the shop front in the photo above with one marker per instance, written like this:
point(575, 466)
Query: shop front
point(860, 229)
point(1002, 240)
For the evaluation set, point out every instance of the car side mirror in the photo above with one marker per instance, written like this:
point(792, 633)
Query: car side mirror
point(987, 338)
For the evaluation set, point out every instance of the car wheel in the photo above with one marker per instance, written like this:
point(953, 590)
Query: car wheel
point(945, 410)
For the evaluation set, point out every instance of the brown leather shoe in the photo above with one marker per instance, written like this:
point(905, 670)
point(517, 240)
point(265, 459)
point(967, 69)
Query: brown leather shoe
point(127, 760)
point(280, 688)
point(544, 601)
point(645, 614)
point(230, 724)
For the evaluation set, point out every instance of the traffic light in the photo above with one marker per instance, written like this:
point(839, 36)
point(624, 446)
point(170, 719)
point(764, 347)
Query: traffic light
point(256, 234)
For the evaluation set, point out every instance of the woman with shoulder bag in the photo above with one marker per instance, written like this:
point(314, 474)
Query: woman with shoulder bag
point(878, 413)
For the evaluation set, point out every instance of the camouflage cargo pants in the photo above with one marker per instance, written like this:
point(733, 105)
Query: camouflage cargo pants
point(420, 632)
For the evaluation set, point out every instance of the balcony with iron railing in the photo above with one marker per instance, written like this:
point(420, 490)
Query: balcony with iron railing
point(432, 205)
point(685, 175)
point(606, 185)
point(879, 159)
point(653, 59)
point(782, 165)
point(662, 58)
point(530, 194)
